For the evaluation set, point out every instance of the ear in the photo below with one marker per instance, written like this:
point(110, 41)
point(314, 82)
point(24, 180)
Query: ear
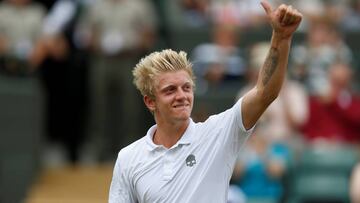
point(150, 103)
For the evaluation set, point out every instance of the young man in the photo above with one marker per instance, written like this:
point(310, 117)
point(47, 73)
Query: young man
point(182, 161)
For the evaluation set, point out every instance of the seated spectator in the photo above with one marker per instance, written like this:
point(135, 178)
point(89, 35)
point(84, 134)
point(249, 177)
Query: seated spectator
point(310, 60)
point(335, 114)
point(351, 18)
point(219, 60)
point(336, 10)
point(261, 166)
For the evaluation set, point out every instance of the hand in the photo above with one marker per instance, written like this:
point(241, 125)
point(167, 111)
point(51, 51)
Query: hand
point(284, 20)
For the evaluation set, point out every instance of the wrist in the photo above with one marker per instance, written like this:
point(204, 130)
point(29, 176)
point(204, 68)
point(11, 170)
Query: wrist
point(279, 39)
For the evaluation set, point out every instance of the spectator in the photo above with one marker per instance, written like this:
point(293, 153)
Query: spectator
point(311, 59)
point(220, 60)
point(261, 166)
point(118, 32)
point(20, 25)
point(335, 10)
point(351, 18)
point(335, 114)
point(63, 73)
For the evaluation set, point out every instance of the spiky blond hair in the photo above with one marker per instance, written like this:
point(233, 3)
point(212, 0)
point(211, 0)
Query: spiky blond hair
point(157, 63)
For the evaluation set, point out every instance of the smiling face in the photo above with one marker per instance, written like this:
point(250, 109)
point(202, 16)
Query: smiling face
point(174, 97)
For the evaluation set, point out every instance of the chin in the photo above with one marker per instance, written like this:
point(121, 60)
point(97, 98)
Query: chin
point(183, 117)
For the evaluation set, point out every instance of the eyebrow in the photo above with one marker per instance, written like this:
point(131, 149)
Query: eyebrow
point(172, 85)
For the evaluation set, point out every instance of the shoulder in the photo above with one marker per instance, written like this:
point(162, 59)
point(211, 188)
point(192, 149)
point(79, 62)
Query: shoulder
point(131, 149)
point(224, 119)
point(132, 152)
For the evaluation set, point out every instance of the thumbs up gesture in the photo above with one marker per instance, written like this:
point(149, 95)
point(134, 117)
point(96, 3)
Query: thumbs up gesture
point(284, 20)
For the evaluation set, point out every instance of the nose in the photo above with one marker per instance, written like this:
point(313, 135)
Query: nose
point(180, 94)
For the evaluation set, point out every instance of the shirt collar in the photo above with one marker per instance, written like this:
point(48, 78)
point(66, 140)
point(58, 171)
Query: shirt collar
point(185, 139)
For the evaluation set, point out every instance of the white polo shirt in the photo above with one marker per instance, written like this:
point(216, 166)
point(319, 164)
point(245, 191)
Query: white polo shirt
point(197, 169)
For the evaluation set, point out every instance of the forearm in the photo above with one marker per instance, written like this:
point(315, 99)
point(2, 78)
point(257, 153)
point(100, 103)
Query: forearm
point(270, 80)
point(284, 21)
point(273, 72)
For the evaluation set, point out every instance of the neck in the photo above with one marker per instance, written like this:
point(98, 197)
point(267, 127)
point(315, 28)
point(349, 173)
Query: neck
point(168, 134)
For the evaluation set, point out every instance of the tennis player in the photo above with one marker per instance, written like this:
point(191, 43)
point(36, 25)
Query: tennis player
point(178, 160)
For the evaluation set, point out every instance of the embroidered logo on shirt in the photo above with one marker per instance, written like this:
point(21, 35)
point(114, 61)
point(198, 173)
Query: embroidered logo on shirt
point(190, 160)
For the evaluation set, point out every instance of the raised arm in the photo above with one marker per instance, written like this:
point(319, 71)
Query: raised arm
point(284, 21)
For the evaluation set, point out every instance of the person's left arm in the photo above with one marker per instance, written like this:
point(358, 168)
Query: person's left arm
point(284, 21)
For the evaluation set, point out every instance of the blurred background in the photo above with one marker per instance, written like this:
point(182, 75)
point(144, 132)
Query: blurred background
point(68, 105)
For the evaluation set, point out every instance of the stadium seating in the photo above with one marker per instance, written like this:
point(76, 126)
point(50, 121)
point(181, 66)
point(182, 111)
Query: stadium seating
point(322, 175)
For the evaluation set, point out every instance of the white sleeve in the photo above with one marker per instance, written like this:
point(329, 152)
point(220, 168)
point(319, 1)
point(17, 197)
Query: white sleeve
point(121, 190)
point(233, 133)
point(238, 133)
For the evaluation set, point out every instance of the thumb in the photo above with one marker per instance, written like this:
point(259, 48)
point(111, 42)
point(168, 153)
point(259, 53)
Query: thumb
point(267, 7)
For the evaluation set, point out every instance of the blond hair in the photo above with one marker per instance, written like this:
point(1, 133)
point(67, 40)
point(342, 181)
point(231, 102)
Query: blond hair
point(157, 63)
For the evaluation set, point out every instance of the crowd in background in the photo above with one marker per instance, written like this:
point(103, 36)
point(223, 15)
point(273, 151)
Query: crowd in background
point(82, 53)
